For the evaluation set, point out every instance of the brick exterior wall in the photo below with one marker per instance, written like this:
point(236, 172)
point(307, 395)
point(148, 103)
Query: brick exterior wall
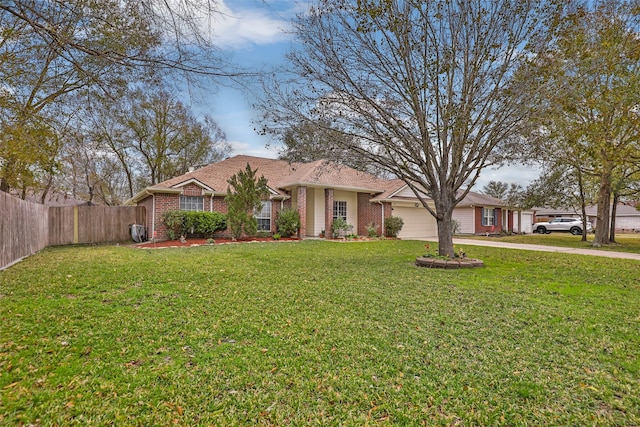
point(192, 190)
point(491, 229)
point(368, 213)
point(148, 204)
point(164, 202)
point(219, 205)
point(302, 210)
point(275, 211)
point(328, 211)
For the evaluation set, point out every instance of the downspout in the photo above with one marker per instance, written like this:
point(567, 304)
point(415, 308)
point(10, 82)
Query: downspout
point(153, 214)
point(382, 218)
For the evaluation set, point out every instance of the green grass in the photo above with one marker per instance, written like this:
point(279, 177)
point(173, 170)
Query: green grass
point(317, 333)
point(624, 242)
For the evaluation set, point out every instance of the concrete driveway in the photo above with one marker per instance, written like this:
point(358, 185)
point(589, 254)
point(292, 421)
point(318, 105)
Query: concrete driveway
point(541, 248)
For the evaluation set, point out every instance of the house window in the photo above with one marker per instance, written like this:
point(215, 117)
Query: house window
point(489, 217)
point(340, 210)
point(191, 203)
point(264, 216)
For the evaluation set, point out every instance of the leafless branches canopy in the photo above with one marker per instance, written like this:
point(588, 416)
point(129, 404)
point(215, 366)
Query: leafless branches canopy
point(425, 90)
point(57, 57)
point(174, 35)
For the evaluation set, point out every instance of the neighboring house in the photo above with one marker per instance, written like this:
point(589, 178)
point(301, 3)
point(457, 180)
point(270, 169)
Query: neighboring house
point(627, 216)
point(320, 191)
point(481, 214)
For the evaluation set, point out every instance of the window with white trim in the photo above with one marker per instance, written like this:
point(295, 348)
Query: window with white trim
point(264, 216)
point(340, 209)
point(489, 216)
point(191, 203)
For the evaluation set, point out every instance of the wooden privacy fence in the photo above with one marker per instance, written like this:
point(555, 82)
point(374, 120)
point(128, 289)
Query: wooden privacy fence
point(26, 228)
point(92, 224)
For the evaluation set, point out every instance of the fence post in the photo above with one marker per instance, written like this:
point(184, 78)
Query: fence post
point(75, 225)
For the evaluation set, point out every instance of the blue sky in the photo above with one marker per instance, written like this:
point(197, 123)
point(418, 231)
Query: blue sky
point(253, 34)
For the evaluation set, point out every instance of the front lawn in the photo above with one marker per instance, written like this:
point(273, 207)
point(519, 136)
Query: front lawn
point(624, 242)
point(317, 333)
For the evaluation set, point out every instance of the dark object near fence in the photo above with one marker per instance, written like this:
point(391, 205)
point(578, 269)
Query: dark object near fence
point(138, 233)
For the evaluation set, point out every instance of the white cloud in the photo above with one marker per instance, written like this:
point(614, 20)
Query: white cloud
point(246, 23)
point(516, 174)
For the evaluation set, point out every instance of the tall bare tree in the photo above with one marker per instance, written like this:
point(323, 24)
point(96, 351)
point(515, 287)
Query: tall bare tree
point(52, 49)
point(423, 89)
point(168, 138)
point(143, 137)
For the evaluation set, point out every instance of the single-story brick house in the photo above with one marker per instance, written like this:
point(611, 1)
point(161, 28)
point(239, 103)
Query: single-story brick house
point(320, 191)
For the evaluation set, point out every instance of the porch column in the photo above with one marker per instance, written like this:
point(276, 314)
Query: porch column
point(328, 211)
point(302, 211)
point(519, 221)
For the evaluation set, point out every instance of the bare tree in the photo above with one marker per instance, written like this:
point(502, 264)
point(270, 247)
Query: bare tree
point(173, 35)
point(424, 90)
point(168, 138)
point(50, 50)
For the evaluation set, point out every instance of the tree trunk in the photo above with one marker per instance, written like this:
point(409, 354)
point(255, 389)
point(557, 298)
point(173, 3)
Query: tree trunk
point(583, 206)
point(604, 205)
point(444, 221)
point(612, 232)
point(445, 236)
point(4, 186)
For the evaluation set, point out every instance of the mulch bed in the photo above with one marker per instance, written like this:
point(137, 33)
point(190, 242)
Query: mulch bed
point(201, 242)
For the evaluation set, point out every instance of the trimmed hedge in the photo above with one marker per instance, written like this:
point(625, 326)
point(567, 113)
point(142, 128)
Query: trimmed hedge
point(184, 223)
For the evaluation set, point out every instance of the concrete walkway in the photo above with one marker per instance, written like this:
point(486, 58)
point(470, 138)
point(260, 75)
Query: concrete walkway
point(527, 247)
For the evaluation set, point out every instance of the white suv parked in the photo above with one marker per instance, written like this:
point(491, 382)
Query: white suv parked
point(572, 225)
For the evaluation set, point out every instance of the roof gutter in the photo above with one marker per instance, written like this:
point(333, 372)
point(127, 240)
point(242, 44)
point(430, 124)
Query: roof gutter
point(149, 191)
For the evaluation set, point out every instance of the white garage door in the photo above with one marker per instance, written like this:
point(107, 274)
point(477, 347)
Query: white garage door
point(527, 222)
point(418, 223)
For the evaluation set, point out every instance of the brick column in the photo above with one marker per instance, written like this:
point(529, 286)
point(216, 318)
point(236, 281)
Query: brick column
point(302, 210)
point(328, 211)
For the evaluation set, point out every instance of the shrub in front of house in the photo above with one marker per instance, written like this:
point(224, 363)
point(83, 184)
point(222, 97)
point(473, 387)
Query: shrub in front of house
point(372, 230)
point(392, 226)
point(206, 223)
point(244, 195)
point(174, 222)
point(340, 228)
point(183, 223)
point(288, 222)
